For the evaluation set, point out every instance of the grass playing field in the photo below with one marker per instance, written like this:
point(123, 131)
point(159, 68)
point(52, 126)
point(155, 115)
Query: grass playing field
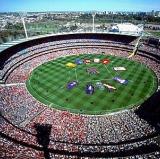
point(48, 84)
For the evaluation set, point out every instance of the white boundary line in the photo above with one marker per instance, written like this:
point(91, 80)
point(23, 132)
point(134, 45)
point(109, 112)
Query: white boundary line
point(45, 99)
point(69, 75)
point(11, 84)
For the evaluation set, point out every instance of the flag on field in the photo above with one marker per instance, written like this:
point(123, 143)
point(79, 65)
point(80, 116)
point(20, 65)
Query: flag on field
point(70, 65)
point(120, 80)
point(119, 68)
point(105, 61)
point(109, 87)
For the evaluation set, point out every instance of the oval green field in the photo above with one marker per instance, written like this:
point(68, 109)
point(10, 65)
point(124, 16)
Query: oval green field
point(48, 84)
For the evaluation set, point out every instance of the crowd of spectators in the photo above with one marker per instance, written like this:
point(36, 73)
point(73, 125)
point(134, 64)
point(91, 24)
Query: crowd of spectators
point(70, 132)
point(64, 47)
point(20, 107)
point(36, 55)
point(111, 134)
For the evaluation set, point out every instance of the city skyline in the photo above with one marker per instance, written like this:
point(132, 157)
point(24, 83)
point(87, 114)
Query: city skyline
point(81, 5)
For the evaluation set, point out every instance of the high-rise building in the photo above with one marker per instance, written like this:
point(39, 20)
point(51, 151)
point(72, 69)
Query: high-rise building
point(157, 13)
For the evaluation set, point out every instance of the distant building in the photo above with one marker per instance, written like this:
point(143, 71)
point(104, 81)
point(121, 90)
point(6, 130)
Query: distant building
point(157, 13)
point(153, 13)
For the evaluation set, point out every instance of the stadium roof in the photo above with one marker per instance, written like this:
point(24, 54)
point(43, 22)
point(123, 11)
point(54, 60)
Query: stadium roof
point(127, 27)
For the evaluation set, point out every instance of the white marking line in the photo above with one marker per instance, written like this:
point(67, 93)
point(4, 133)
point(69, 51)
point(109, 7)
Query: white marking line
point(131, 81)
point(108, 70)
point(117, 74)
point(28, 120)
point(50, 105)
point(69, 77)
point(11, 84)
point(76, 74)
point(99, 80)
point(42, 97)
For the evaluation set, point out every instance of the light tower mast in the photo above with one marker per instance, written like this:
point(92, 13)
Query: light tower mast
point(93, 26)
point(136, 47)
point(22, 14)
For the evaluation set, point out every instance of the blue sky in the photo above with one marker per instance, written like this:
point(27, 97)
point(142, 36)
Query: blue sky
point(79, 5)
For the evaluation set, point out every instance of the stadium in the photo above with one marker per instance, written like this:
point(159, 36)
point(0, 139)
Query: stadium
point(52, 105)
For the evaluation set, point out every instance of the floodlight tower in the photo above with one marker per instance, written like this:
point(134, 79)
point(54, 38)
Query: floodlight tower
point(137, 45)
point(22, 15)
point(93, 16)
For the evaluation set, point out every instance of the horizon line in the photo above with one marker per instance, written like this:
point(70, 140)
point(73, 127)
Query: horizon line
point(78, 11)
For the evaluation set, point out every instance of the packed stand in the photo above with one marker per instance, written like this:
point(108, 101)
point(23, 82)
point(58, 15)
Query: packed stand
point(115, 133)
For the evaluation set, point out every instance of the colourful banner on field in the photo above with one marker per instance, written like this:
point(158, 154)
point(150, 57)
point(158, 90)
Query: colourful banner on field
point(119, 68)
point(120, 80)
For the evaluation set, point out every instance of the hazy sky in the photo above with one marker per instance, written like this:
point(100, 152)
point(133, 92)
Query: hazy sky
point(79, 5)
